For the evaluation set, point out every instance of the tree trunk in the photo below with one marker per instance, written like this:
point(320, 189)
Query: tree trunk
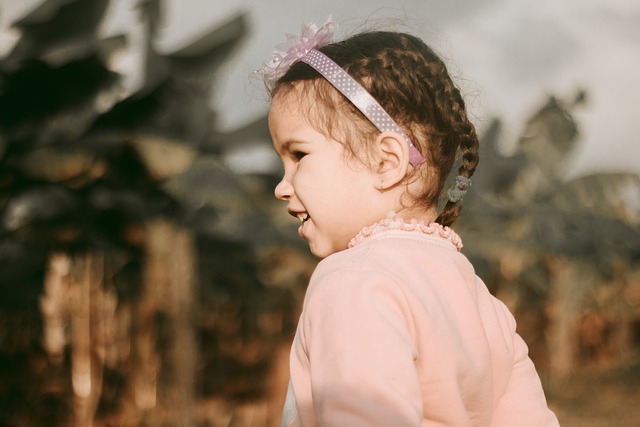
point(86, 365)
point(170, 288)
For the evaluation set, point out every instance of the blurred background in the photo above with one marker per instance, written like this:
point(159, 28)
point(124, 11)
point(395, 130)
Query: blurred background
point(149, 278)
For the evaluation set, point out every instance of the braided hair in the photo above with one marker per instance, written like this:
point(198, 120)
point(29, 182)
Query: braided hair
point(413, 85)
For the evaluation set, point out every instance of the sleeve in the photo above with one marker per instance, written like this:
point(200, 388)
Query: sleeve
point(361, 353)
point(524, 398)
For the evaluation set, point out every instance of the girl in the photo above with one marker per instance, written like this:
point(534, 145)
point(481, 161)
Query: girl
point(396, 329)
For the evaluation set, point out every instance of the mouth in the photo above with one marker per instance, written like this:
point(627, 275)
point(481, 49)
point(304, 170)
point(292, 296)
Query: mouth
point(302, 216)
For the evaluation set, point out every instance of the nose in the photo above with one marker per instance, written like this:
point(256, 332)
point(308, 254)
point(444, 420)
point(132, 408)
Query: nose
point(284, 190)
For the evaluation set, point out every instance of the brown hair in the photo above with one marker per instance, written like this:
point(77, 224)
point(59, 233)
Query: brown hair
point(413, 85)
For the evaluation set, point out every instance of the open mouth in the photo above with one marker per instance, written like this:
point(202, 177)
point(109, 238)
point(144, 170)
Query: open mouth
point(302, 216)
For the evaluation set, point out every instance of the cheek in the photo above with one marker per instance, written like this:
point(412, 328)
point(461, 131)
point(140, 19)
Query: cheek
point(303, 173)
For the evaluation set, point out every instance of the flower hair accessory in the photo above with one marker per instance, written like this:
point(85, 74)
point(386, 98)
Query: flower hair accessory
point(458, 189)
point(296, 48)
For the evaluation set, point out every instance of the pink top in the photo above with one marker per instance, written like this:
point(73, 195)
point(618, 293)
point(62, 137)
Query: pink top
point(399, 331)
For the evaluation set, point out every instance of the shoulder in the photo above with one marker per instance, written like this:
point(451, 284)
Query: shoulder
point(356, 276)
point(348, 300)
point(369, 266)
point(353, 275)
point(378, 254)
point(423, 281)
point(398, 273)
point(403, 261)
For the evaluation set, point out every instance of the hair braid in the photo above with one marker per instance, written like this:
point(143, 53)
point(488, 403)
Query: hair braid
point(468, 145)
point(441, 113)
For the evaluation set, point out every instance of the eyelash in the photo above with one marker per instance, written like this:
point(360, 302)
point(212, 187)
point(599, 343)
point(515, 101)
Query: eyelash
point(298, 155)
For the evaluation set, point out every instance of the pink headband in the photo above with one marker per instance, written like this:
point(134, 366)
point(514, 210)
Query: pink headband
point(304, 49)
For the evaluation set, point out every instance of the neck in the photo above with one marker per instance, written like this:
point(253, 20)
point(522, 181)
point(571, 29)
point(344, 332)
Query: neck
point(426, 216)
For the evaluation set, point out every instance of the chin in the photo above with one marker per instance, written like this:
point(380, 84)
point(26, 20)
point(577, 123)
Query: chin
point(319, 254)
point(322, 252)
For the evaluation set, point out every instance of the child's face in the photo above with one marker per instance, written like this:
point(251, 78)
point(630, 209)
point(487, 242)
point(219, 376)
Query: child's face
point(332, 195)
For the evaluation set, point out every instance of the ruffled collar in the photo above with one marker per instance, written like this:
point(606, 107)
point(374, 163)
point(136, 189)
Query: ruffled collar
point(392, 225)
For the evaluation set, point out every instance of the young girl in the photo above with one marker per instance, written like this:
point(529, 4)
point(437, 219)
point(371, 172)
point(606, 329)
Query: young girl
point(396, 328)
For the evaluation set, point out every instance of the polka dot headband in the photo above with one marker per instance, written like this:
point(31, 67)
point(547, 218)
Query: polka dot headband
point(303, 49)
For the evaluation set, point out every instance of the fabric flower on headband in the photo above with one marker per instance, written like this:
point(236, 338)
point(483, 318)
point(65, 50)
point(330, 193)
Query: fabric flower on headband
point(295, 48)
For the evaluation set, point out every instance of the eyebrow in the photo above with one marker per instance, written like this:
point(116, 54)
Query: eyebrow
point(286, 146)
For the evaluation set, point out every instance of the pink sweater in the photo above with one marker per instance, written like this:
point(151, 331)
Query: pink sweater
point(399, 331)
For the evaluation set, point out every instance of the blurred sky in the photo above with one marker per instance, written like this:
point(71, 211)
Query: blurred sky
point(507, 55)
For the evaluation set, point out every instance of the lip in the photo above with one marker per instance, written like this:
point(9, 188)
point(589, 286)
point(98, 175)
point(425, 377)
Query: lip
point(303, 217)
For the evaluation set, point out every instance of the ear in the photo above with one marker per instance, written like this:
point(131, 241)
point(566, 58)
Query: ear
point(393, 159)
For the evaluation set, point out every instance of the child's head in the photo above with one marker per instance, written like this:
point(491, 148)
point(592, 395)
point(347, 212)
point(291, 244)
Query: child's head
point(410, 82)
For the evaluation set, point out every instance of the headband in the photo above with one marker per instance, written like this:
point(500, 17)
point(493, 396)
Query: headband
point(303, 49)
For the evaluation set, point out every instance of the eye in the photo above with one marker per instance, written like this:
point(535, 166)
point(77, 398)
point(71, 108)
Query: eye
point(298, 155)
